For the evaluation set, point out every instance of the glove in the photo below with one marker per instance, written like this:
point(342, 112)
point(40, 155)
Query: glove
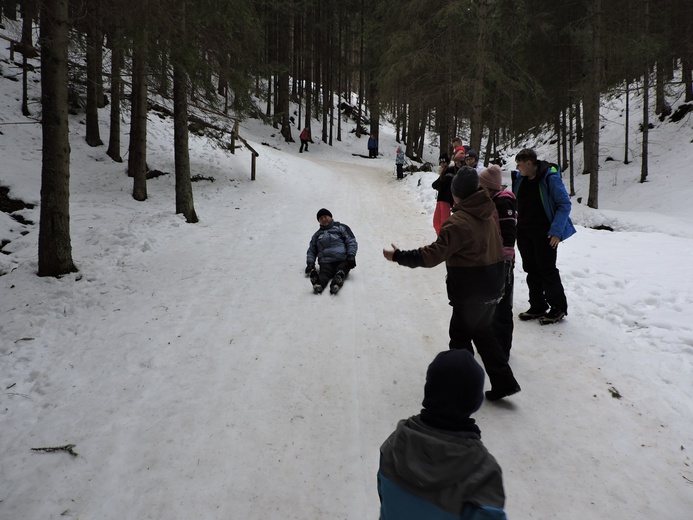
point(309, 268)
point(351, 262)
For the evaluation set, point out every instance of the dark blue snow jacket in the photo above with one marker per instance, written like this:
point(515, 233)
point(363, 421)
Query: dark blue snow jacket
point(332, 243)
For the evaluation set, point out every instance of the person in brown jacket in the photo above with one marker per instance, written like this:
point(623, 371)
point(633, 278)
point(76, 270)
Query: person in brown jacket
point(471, 248)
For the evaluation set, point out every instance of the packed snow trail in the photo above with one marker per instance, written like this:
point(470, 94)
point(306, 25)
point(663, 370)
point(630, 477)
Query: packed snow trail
point(199, 376)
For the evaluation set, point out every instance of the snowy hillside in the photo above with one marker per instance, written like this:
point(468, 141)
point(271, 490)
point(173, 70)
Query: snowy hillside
point(198, 376)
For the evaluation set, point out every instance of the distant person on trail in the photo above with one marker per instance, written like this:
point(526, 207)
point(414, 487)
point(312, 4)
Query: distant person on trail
point(372, 146)
point(334, 247)
point(305, 138)
point(469, 243)
point(434, 465)
point(543, 222)
point(444, 201)
point(491, 179)
point(399, 163)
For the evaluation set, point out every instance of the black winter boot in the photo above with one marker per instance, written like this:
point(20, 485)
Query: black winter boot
point(553, 316)
point(532, 314)
point(337, 282)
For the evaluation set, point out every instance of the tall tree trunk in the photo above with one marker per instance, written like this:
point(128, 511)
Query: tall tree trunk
point(592, 104)
point(571, 145)
point(268, 107)
point(557, 129)
point(116, 66)
point(101, 99)
point(359, 112)
point(339, 75)
point(325, 87)
point(626, 144)
point(476, 122)
point(54, 245)
point(687, 73)
point(283, 49)
point(374, 102)
point(307, 71)
point(564, 139)
point(329, 114)
point(163, 84)
point(687, 58)
point(184, 192)
point(662, 108)
point(28, 15)
point(645, 99)
point(443, 125)
point(94, 43)
point(422, 136)
point(10, 9)
point(137, 150)
point(405, 124)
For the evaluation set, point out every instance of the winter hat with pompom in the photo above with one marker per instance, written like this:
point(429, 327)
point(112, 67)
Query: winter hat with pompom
point(492, 178)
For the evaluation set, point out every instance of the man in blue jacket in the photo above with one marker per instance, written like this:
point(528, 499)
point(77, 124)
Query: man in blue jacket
point(543, 221)
point(334, 247)
point(434, 465)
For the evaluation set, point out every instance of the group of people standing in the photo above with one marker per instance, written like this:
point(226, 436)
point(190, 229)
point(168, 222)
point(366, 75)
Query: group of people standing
point(434, 464)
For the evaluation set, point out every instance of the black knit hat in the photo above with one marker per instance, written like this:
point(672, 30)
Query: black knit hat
point(324, 212)
point(454, 389)
point(465, 182)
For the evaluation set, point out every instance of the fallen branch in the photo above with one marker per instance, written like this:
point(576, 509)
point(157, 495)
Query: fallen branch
point(67, 448)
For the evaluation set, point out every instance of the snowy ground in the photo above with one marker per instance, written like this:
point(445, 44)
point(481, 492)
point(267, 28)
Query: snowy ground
point(199, 377)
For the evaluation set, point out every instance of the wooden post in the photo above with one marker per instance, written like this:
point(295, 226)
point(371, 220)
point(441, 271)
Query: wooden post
point(253, 152)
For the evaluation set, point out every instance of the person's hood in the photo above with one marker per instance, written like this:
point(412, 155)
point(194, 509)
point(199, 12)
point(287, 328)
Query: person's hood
point(432, 463)
point(478, 205)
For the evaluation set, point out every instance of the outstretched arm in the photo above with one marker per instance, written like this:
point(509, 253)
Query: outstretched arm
point(411, 258)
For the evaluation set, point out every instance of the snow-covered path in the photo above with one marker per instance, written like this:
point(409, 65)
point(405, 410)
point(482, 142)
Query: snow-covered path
point(199, 376)
point(232, 375)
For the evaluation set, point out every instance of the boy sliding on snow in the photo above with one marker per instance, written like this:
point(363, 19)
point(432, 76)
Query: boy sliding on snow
point(334, 247)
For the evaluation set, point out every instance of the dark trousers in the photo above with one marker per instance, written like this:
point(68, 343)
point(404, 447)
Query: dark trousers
point(400, 171)
point(474, 323)
point(503, 317)
point(304, 142)
point(327, 272)
point(543, 278)
point(373, 152)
